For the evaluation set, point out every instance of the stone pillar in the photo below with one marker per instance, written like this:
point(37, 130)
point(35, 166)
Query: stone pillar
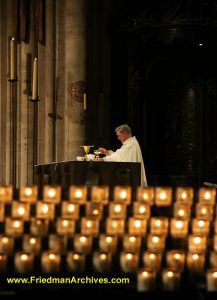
point(46, 116)
point(7, 20)
point(71, 70)
point(25, 123)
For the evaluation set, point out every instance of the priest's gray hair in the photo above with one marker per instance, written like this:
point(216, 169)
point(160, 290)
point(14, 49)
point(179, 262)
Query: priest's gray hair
point(123, 128)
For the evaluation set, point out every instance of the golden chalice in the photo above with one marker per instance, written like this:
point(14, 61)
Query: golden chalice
point(86, 149)
point(97, 153)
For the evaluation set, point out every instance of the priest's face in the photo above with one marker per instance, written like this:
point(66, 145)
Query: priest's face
point(122, 136)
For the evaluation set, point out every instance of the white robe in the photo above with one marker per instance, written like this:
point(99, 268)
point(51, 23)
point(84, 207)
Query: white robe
point(129, 152)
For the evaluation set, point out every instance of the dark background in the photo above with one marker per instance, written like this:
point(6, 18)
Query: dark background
point(153, 65)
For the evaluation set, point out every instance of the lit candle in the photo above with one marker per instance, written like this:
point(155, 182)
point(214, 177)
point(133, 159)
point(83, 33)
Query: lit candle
point(122, 194)
point(85, 101)
point(31, 244)
point(171, 280)
point(13, 60)
point(28, 194)
point(35, 80)
point(146, 280)
point(163, 196)
point(137, 226)
point(70, 210)
point(115, 226)
point(39, 227)
point(75, 262)
point(65, 227)
point(83, 244)
point(102, 262)
point(145, 195)
point(45, 210)
point(179, 228)
point(207, 195)
point(131, 243)
point(89, 226)
point(159, 226)
point(21, 210)
point(94, 210)
point(195, 262)
point(52, 194)
point(24, 262)
point(141, 210)
point(78, 194)
point(14, 227)
point(6, 244)
point(117, 210)
point(184, 195)
point(107, 243)
point(204, 211)
point(196, 243)
point(129, 262)
point(155, 243)
point(182, 211)
point(176, 260)
point(211, 280)
point(200, 226)
point(50, 262)
point(152, 260)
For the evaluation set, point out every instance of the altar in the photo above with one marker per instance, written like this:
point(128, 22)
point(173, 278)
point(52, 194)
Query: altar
point(90, 173)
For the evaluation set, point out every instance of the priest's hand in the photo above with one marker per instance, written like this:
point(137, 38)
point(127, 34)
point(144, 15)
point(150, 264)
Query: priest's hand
point(103, 150)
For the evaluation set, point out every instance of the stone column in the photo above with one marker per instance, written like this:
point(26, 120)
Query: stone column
point(71, 68)
point(46, 116)
point(7, 20)
point(25, 123)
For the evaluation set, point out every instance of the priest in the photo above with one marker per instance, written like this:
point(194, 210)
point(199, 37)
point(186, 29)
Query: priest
point(129, 152)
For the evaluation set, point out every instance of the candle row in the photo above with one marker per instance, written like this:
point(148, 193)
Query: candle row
point(71, 210)
point(160, 196)
point(140, 227)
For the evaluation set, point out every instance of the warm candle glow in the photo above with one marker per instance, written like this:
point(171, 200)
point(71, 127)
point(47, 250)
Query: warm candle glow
point(76, 256)
point(142, 209)
point(129, 256)
point(83, 239)
point(95, 212)
point(71, 207)
point(201, 223)
point(152, 256)
point(52, 256)
point(89, 224)
point(214, 274)
point(5, 240)
point(181, 212)
point(184, 195)
point(45, 208)
point(16, 224)
point(157, 223)
point(65, 223)
point(197, 240)
point(28, 192)
point(177, 256)
point(21, 211)
point(132, 239)
point(207, 195)
point(163, 196)
point(78, 194)
point(195, 256)
point(103, 256)
point(117, 208)
point(123, 195)
point(114, 224)
point(51, 193)
point(108, 239)
point(179, 224)
point(32, 241)
point(137, 223)
point(145, 273)
point(170, 274)
point(24, 257)
point(155, 239)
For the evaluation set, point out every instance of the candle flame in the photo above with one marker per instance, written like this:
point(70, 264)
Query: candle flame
point(28, 191)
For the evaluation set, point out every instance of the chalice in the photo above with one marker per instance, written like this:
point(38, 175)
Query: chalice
point(86, 149)
point(97, 153)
